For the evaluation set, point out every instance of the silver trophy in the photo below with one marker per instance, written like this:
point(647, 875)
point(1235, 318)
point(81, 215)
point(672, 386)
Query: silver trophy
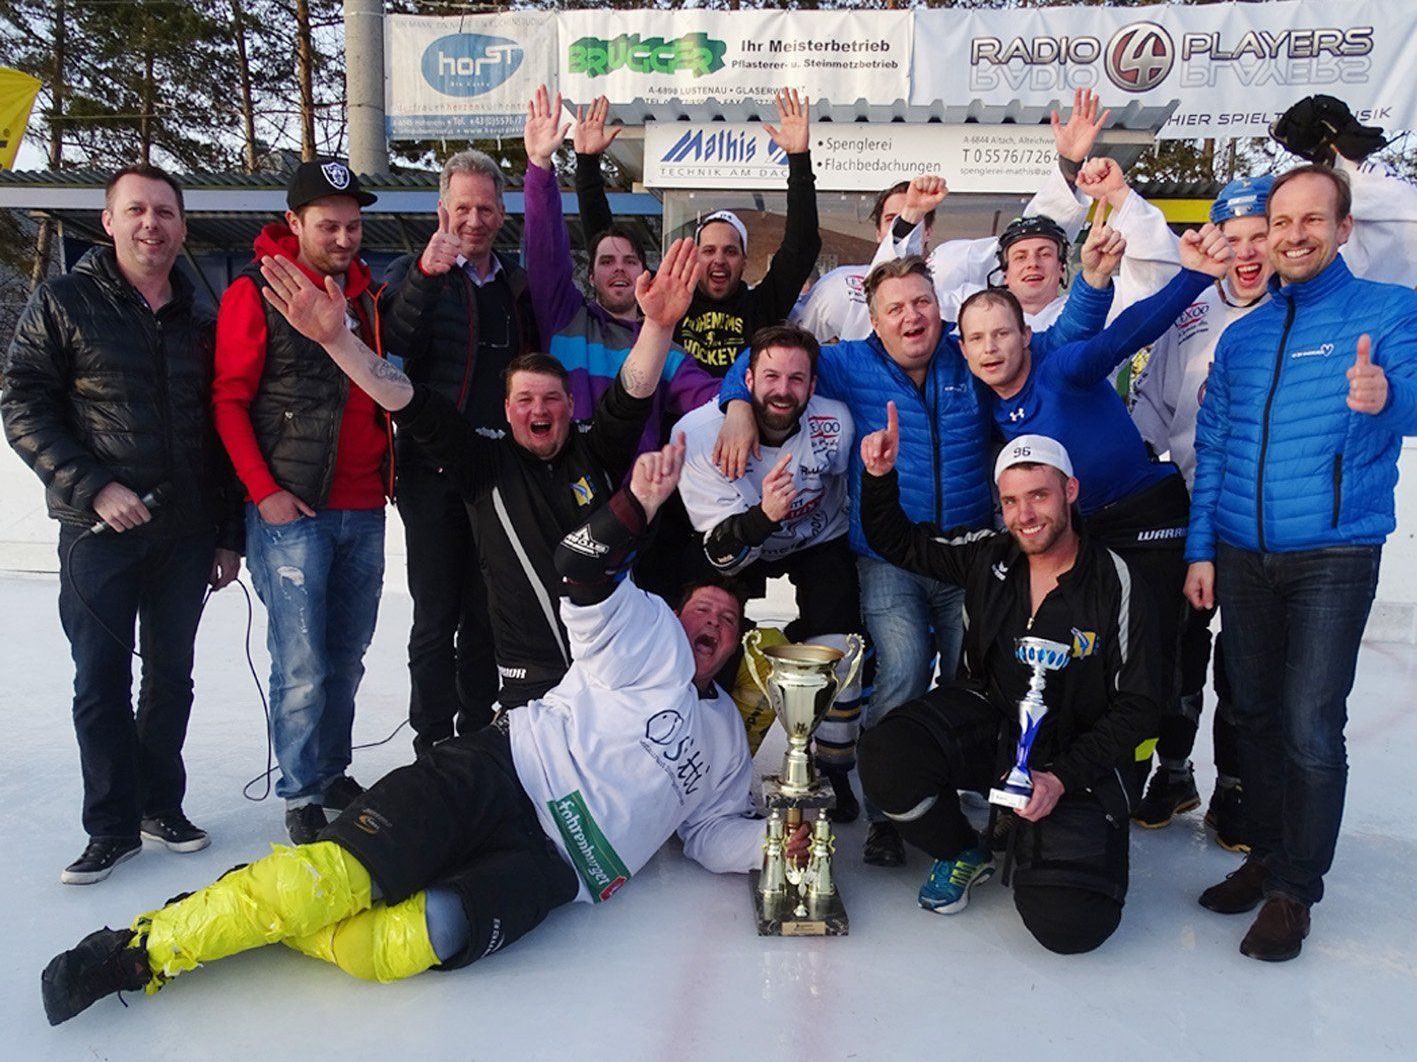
point(1042, 656)
point(801, 683)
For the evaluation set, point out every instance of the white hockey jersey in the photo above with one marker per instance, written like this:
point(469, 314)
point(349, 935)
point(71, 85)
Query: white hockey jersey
point(821, 452)
point(623, 752)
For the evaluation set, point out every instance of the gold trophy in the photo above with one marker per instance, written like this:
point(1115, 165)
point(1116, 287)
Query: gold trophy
point(802, 683)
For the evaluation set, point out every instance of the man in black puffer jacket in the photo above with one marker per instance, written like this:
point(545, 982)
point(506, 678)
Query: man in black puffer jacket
point(107, 397)
point(457, 314)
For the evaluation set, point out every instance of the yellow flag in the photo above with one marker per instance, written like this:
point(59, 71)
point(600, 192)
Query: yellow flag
point(17, 93)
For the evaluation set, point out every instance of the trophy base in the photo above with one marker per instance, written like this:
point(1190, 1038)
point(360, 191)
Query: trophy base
point(826, 917)
point(819, 797)
point(1010, 798)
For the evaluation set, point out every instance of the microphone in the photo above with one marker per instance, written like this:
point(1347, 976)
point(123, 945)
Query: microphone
point(152, 501)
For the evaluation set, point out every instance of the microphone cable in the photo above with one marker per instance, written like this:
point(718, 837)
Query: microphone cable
point(67, 572)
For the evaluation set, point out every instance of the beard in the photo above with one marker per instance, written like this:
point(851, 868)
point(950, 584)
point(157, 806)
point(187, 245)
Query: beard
point(777, 419)
point(1042, 542)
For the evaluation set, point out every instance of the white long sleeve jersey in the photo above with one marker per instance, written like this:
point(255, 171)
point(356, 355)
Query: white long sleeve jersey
point(623, 752)
point(1167, 394)
point(962, 267)
point(821, 452)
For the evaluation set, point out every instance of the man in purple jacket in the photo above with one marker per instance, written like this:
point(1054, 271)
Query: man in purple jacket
point(591, 336)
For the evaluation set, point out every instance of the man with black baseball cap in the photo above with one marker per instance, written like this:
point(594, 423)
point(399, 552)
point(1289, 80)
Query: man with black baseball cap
point(313, 451)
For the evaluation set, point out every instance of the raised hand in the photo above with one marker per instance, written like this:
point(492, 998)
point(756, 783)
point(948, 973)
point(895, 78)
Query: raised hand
point(1367, 383)
point(544, 131)
point(443, 248)
point(589, 136)
point(1102, 253)
point(315, 313)
point(779, 490)
point(656, 474)
point(924, 195)
point(665, 298)
point(1206, 251)
point(1102, 179)
point(1075, 139)
point(880, 449)
point(793, 129)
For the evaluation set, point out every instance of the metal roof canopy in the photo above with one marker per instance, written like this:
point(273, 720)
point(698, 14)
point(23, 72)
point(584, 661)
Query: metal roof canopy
point(226, 211)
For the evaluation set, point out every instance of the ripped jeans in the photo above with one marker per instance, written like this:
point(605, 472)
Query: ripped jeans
point(319, 578)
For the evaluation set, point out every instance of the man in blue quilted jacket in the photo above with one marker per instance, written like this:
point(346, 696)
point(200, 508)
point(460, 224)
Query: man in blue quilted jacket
point(1297, 443)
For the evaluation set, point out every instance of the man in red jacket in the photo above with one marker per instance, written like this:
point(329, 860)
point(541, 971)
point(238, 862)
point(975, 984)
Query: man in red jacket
point(313, 451)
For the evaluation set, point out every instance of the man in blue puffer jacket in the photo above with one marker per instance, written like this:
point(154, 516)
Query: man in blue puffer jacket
point(911, 359)
point(1297, 443)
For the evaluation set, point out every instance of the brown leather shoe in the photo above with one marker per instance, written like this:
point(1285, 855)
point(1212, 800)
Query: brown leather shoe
point(1278, 932)
point(1241, 891)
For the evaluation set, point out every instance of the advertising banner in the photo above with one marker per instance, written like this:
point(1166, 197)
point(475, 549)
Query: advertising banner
point(695, 56)
point(466, 76)
point(17, 94)
point(851, 157)
point(1234, 67)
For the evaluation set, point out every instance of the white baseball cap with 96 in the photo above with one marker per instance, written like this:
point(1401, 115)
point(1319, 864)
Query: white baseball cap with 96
point(1036, 450)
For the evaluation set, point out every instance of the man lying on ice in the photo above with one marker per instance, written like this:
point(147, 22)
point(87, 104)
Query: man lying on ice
point(448, 860)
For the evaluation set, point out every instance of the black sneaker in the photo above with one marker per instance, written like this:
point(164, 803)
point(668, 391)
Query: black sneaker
point(305, 823)
point(100, 857)
point(342, 792)
point(104, 962)
point(175, 832)
point(1226, 816)
point(847, 808)
point(884, 847)
point(1167, 794)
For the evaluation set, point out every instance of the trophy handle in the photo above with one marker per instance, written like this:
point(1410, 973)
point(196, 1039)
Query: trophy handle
point(752, 649)
point(858, 643)
point(851, 659)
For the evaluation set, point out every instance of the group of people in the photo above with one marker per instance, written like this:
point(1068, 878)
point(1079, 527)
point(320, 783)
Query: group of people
point(592, 482)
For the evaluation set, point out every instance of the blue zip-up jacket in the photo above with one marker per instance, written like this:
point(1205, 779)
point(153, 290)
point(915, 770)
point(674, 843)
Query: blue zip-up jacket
point(1282, 463)
point(944, 425)
point(1068, 396)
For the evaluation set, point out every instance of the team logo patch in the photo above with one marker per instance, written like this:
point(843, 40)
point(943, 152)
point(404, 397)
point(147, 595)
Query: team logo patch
point(1084, 643)
point(584, 543)
point(583, 491)
point(337, 173)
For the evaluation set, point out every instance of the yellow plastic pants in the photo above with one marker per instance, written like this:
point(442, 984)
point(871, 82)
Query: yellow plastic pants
point(380, 944)
point(290, 895)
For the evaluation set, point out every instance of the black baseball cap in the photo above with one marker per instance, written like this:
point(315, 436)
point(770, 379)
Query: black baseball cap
point(322, 177)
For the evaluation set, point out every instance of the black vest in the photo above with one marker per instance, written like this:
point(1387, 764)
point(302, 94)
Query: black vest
point(299, 404)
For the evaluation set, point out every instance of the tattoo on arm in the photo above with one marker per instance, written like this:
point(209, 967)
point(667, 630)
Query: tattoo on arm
point(383, 370)
point(636, 380)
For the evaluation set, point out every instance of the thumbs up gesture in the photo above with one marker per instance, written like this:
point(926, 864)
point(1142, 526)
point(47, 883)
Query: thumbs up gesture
point(443, 248)
point(1367, 383)
point(880, 448)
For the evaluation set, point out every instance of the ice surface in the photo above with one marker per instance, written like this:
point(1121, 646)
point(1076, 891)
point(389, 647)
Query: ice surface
point(671, 968)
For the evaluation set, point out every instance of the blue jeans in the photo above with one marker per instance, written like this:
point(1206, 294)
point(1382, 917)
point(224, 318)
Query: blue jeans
point(901, 609)
point(1293, 624)
point(156, 579)
point(319, 578)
